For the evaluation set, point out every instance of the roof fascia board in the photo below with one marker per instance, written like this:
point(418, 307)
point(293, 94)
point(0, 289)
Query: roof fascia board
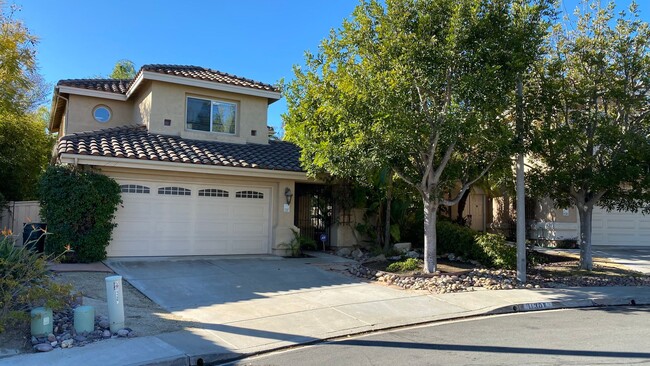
point(91, 93)
point(134, 85)
point(205, 84)
point(180, 167)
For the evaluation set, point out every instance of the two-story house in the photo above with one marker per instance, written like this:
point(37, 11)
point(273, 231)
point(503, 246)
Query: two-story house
point(190, 150)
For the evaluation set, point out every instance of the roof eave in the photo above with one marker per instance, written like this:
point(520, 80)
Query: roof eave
point(272, 96)
point(91, 93)
point(100, 161)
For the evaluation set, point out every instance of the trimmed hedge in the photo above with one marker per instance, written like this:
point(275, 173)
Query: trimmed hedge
point(79, 207)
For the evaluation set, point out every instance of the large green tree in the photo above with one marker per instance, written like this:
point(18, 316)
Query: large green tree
point(421, 86)
point(25, 150)
point(24, 144)
point(593, 142)
point(21, 86)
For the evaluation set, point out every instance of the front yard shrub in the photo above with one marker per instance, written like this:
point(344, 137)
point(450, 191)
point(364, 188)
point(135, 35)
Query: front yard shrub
point(298, 243)
point(25, 283)
point(499, 253)
point(457, 239)
point(79, 208)
point(409, 264)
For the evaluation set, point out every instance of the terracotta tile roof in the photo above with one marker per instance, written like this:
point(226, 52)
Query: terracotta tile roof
point(120, 86)
point(197, 72)
point(134, 142)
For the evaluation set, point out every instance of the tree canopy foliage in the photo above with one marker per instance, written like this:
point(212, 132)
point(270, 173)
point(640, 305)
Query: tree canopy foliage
point(24, 143)
point(421, 86)
point(124, 69)
point(21, 86)
point(592, 143)
point(25, 150)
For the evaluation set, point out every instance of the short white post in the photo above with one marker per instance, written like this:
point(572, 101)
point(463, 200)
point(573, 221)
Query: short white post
point(115, 302)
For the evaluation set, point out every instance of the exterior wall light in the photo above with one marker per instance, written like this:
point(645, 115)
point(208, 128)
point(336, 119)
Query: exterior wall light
point(288, 194)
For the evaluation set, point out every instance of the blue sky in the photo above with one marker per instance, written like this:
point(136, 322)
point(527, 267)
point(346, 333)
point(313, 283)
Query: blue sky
point(257, 39)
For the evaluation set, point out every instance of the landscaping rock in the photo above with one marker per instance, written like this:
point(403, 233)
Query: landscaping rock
point(491, 280)
point(51, 337)
point(377, 258)
point(357, 254)
point(43, 347)
point(413, 254)
point(344, 252)
point(67, 343)
point(122, 333)
point(106, 334)
point(104, 324)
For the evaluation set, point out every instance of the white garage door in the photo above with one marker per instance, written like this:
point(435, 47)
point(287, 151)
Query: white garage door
point(182, 219)
point(620, 228)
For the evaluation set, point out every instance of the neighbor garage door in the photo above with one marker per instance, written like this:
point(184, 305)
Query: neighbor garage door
point(620, 228)
point(183, 219)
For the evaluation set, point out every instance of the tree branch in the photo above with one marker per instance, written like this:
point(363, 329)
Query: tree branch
point(465, 187)
point(443, 164)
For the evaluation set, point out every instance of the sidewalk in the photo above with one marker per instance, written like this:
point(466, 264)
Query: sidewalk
point(220, 342)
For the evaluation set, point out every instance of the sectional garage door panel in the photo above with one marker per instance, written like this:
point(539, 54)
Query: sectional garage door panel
point(620, 228)
point(184, 219)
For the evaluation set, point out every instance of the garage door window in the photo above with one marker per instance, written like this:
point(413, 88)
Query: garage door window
point(211, 192)
point(249, 194)
point(134, 188)
point(174, 191)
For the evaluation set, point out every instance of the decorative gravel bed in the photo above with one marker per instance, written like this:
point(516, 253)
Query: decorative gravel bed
point(489, 279)
point(65, 336)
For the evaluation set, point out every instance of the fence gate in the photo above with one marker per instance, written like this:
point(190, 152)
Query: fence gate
point(313, 211)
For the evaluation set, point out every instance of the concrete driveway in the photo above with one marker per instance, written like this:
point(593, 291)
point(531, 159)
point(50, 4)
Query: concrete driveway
point(243, 305)
point(637, 258)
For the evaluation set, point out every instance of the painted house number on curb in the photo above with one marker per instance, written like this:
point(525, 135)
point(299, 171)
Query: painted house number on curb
point(538, 306)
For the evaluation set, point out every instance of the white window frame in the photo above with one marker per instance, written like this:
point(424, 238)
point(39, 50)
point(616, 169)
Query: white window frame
point(212, 102)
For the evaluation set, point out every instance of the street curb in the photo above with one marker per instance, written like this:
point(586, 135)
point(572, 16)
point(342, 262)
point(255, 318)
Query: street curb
point(221, 358)
point(552, 305)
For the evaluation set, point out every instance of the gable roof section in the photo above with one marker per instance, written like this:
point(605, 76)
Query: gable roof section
point(134, 142)
point(122, 86)
point(122, 89)
point(202, 73)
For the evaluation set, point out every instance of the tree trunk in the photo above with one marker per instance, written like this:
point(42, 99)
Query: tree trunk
point(585, 214)
point(430, 259)
point(460, 219)
point(389, 200)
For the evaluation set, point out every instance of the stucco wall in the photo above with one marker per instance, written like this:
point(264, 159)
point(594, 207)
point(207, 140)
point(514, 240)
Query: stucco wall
point(169, 102)
point(80, 114)
point(142, 105)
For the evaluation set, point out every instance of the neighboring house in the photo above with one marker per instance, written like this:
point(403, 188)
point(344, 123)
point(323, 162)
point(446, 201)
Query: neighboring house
point(547, 223)
point(190, 149)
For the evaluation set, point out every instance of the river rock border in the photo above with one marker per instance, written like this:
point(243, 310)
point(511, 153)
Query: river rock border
point(65, 336)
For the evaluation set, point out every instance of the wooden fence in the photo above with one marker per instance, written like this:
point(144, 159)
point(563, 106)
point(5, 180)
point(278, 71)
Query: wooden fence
point(16, 215)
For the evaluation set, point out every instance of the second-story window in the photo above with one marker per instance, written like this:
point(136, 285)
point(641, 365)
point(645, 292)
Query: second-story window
point(211, 115)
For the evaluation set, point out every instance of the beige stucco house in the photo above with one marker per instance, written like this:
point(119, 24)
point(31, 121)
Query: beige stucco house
point(190, 150)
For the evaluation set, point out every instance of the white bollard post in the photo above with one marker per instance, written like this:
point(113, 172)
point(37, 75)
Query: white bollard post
point(115, 302)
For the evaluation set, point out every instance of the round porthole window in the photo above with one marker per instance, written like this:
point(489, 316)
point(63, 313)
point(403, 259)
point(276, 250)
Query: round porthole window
point(102, 114)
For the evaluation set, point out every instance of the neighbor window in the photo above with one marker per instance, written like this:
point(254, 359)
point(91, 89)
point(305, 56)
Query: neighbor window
point(211, 115)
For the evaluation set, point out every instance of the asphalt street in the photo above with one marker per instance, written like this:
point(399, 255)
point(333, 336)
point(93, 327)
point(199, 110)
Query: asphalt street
point(592, 336)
